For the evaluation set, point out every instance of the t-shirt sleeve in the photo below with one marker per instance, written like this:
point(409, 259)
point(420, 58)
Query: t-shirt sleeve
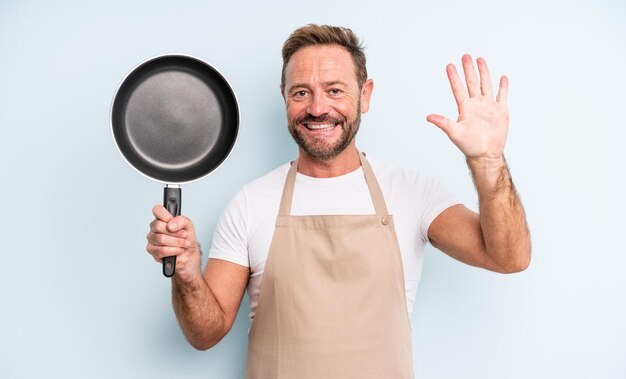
point(436, 199)
point(230, 237)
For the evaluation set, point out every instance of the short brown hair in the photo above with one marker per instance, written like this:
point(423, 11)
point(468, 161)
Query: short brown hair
point(314, 34)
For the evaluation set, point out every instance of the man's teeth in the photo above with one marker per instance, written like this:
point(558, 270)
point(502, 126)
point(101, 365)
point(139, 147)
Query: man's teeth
point(320, 126)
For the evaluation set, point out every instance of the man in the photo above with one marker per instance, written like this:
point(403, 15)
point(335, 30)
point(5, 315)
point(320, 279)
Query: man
point(330, 247)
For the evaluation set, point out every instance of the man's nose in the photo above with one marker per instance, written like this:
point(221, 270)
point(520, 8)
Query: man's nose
point(319, 105)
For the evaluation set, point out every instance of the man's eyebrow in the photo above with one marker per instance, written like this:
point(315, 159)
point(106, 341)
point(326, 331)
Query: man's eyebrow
point(326, 84)
point(335, 82)
point(297, 85)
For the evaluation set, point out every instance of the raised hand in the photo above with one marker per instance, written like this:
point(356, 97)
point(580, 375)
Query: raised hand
point(483, 123)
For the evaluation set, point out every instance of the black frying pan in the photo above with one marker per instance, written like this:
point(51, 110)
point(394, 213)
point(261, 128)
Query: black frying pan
point(175, 120)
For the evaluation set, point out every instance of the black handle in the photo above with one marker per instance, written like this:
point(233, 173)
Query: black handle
point(172, 198)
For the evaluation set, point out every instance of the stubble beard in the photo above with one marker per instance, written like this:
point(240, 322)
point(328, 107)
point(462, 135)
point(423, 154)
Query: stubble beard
point(317, 148)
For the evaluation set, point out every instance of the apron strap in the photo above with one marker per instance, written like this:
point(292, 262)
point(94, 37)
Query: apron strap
point(375, 192)
point(290, 182)
point(372, 184)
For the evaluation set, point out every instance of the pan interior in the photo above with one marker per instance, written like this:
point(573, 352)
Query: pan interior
point(169, 110)
point(175, 119)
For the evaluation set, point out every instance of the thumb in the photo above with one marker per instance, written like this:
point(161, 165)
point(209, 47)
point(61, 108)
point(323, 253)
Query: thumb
point(440, 121)
point(161, 213)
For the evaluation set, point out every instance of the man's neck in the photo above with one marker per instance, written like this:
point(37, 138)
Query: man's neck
point(346, 162)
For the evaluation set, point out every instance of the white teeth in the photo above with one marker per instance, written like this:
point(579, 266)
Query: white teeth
point(320, 126)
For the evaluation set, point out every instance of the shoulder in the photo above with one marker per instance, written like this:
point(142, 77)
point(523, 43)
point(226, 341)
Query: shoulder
point(406, 187)
point(260, 196)
point(255, 199)
point(416, 198)
point(266, 184)
point(394, 176)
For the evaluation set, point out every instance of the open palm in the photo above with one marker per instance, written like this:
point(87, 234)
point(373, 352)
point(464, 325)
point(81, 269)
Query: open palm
point(483, 123)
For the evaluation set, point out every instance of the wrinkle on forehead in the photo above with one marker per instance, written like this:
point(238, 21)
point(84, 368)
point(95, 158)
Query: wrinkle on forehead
point(321, 64)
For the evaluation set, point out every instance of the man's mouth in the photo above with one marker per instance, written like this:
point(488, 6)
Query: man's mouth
point(320, 127)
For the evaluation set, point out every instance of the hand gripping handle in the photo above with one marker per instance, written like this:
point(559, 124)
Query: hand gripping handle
point(172, 197)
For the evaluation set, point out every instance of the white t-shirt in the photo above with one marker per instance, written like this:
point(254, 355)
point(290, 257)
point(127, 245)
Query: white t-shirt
point(245, 229)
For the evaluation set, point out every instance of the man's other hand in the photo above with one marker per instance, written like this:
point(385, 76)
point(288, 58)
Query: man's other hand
point(483, 123)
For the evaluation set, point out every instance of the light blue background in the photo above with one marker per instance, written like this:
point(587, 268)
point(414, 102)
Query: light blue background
point(80, 297)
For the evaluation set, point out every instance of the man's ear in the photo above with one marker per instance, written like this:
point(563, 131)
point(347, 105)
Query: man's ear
point(366, 95)
point(281, 92)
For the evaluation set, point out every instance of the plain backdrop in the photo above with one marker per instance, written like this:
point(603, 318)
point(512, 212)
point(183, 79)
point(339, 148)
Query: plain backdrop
point(80, 297)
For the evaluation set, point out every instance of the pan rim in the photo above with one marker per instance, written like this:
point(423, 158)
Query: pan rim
point(166, 55)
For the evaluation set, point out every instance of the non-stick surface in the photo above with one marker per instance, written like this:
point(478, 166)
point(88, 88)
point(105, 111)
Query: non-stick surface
point(175, 119)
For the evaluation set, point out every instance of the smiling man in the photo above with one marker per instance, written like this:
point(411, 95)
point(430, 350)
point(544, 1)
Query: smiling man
point(330, 246)
point(323, 107)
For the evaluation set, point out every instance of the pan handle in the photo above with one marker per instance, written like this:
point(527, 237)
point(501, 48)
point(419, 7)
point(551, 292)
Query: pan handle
point(172, 198)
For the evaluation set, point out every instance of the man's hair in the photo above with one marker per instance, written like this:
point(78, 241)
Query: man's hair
point(314, 34)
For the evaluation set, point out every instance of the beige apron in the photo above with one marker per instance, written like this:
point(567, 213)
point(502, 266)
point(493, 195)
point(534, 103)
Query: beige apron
point(332, 301)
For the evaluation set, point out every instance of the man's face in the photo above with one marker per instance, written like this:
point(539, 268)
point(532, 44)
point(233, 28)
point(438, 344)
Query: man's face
point(323, 100)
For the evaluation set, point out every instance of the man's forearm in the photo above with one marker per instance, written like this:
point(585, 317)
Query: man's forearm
point(198, 312)
point(502, 218)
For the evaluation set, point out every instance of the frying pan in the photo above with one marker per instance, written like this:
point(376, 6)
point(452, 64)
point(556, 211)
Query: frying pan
point(174, 119)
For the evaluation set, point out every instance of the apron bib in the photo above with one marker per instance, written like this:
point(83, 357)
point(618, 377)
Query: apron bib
point(332, 301)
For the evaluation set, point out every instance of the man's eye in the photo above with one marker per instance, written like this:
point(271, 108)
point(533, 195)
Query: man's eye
point(335, 91)
point(300, 94)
